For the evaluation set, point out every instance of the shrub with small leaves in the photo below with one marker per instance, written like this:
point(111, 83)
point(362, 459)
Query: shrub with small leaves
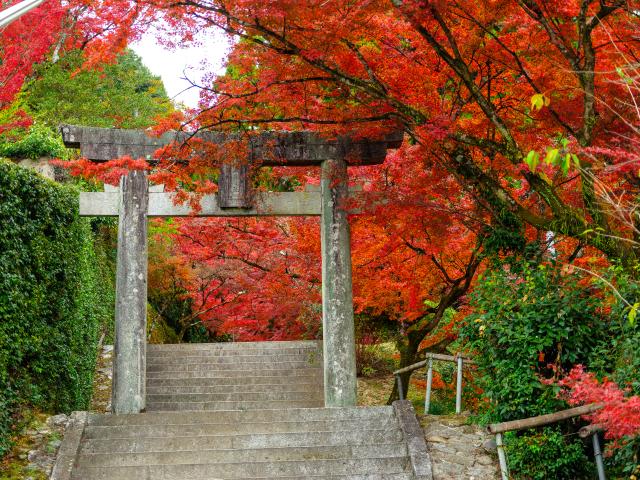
point(547, 454)
point(51, 305)
point(38, 142)
point(532, 323)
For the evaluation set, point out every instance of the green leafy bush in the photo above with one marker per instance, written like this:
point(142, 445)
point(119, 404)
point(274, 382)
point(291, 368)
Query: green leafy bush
point(534, 322)
point(39, 141)
point(530, 323)
point(51, 297)
point(619, 360)
point(547, 454)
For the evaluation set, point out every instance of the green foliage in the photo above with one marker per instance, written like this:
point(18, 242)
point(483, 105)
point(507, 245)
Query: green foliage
point(51, 300)
point(125, 94)
point(528, 318)
point(531, 322)
point(547, 454)
point(39, 141)
point(506, 234)
point(619, 360)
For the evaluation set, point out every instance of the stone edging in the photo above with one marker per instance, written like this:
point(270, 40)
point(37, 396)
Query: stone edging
point(414, 436)
point(69, 447)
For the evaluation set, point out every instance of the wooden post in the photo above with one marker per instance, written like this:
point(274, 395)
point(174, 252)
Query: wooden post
point(427, 396)
point(129, 365)
point(502, 457)
point(340, 379)
point(459, 385)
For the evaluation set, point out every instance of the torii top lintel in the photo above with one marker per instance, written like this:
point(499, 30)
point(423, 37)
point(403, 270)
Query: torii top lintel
point(269, 148)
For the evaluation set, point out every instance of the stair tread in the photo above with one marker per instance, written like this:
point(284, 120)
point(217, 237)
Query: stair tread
point(271, 455)
point(98, 436)
point(248, 469)
point(232, 416)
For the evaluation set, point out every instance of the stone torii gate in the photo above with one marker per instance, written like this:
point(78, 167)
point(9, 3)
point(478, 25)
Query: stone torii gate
point(135, 201)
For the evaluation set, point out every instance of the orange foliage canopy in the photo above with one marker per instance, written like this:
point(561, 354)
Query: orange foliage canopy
point(487, 89)
point(480, 88)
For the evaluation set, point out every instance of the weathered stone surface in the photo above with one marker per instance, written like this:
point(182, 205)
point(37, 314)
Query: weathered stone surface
point(371, 443)
point(69, 448)
point(234, 187)
point(266, 204)
point(268, 148)
point(43, 166)
point(340, 378)
point(457, 449)
point(60, 420)
point(414, 437)
point(129, 362)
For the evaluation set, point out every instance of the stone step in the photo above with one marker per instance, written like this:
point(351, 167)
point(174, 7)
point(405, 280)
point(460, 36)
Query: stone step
point(297, 469)
point(200, 371)
point(153, 406)
point(197, 355)
point(266, 453)
point(311, 357)
point(154, 388)
point(371, 476)
point(375, 427)
point(265, 365)
point(278, 396)
point(225, 435)
point(235, 417)
point(233, 382)
point(232, 346)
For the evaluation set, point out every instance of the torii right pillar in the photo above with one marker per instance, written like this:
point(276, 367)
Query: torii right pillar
point(340, 378)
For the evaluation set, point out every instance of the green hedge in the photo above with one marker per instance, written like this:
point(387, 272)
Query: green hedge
point(51, 298)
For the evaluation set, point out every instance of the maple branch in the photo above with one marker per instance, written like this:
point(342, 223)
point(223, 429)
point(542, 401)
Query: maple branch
point(456, 290)
point(457, 64)
point(523, 71)
point(604, 12)
point(253, 264)
point(533, 10)
point(285, 46)
point(366, 66)
point(256, 91)
point(416, 249)
point(443, 270)
point(495, 193)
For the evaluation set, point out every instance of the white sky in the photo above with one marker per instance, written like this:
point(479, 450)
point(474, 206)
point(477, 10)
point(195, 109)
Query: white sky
point(173, 65)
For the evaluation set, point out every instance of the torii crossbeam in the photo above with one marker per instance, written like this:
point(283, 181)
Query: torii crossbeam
point(135, 202)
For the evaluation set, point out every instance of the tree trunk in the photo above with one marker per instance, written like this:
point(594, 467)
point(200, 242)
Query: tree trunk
point(408, 347)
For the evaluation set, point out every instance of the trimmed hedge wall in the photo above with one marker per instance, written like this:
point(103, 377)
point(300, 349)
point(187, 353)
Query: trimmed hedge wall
point(51, 298)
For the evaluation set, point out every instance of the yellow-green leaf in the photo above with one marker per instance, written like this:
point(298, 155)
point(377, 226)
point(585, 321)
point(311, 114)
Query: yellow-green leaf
point(532, 160)
point(537, 101)
point(552, 154)
point(576, 160)
point(566, 164)
point(633, 313)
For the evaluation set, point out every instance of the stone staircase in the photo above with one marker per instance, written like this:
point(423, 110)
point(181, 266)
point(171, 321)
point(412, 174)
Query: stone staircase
point(242, 411)
point(234, 376)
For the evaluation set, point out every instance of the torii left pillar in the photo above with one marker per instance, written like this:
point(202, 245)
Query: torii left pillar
point(129, 368)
